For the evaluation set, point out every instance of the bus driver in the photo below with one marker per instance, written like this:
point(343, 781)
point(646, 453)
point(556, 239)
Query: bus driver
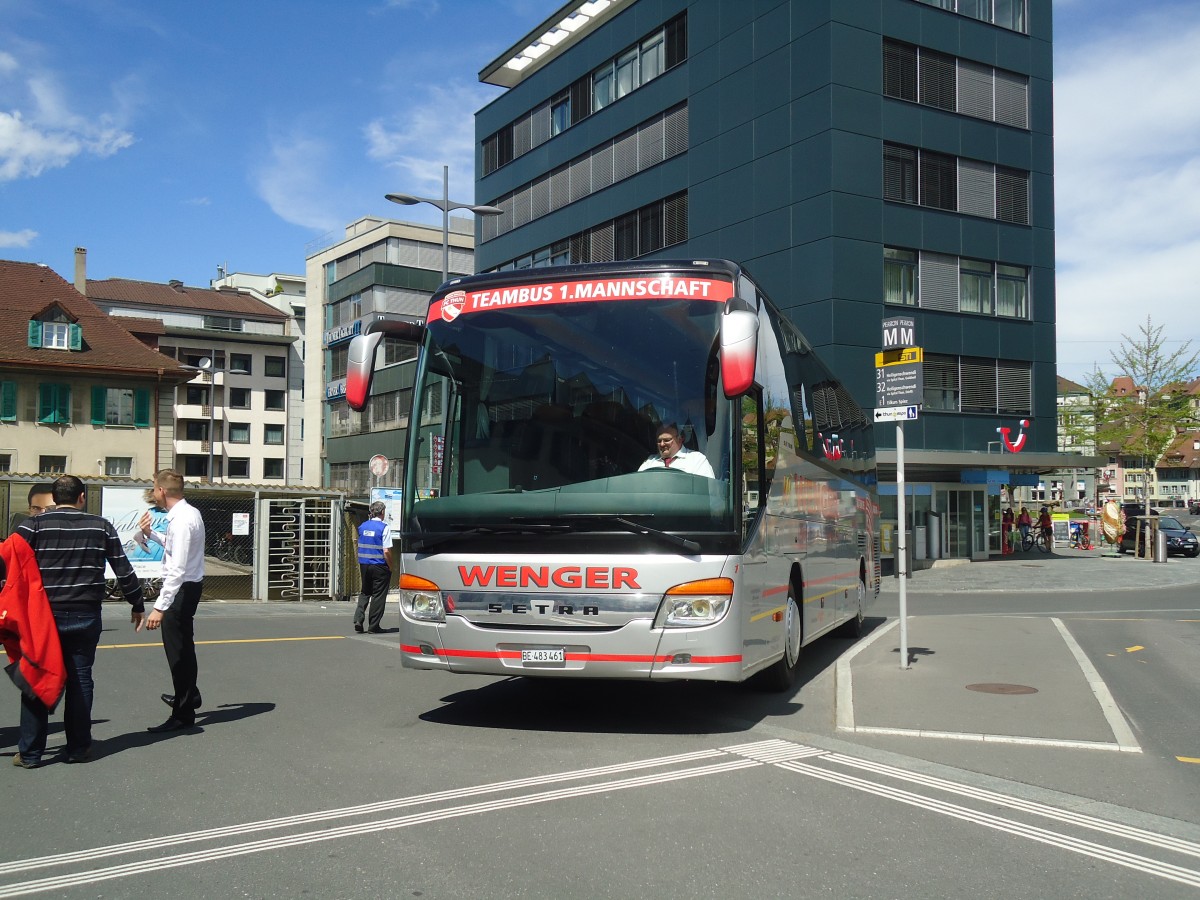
point(673, 455)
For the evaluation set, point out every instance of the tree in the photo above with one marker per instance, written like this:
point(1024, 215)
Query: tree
point(1139, 408)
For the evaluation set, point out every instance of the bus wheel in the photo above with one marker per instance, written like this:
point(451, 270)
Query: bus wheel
point(853, 628)
point(782, 675)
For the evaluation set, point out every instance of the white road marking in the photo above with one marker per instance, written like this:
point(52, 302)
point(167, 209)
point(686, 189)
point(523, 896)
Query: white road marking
point(1171, 872)
point(1120, 728)
point(764, 755)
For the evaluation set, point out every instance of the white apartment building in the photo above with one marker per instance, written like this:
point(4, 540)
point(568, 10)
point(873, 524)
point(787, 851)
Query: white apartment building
point(232, 419)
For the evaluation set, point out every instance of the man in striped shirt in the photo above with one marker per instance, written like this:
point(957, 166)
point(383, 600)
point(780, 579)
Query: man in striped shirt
point(71, 547)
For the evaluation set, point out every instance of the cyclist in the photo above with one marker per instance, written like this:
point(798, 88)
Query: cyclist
point(1046, 525)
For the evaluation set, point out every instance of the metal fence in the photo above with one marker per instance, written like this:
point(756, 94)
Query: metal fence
point(264, 544)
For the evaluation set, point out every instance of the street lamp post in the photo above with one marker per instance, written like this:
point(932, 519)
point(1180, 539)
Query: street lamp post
point(445, 205)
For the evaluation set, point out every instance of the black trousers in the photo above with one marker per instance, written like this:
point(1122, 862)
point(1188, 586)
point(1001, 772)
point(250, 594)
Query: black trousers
point(179, 641)
point(376, 579)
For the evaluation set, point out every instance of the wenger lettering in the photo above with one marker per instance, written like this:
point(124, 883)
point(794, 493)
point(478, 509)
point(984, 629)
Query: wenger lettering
point(571, 577)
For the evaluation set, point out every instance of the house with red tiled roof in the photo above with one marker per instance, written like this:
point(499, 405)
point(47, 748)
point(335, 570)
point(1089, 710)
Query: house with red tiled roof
point(78, 392)
point(232, 418)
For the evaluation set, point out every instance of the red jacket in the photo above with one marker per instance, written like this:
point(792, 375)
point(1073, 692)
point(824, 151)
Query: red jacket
point(27, 627)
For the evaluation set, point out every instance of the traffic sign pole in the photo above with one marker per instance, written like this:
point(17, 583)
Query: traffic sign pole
point(902, 545)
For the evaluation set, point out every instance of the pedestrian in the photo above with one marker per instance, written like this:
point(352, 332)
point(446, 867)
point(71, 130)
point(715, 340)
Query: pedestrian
point(41, 499)
point(375, 567)
point(182, 583)
point(71, 547)
point(1006, 531)
point(1024, 522)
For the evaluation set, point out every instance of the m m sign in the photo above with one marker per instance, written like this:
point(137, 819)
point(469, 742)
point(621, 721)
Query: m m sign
point(899, 333)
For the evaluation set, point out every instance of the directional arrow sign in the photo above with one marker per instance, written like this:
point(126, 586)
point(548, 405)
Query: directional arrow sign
point(896, 413)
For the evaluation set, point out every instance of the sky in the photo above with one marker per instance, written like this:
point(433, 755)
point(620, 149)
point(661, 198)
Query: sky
point(172, 138)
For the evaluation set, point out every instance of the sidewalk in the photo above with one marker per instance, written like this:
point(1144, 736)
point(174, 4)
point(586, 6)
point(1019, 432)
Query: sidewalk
point(1002, 679)
point(999, 679)
point(1061, 569)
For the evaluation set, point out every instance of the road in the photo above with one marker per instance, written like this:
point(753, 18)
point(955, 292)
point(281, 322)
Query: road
point(320, 768)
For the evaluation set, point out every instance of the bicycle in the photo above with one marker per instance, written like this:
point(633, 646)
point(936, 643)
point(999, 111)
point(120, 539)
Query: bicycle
point(226, 549)
point(1037, 538)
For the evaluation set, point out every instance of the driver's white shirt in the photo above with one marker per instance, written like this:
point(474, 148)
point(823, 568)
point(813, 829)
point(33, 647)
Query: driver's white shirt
point(691, 461)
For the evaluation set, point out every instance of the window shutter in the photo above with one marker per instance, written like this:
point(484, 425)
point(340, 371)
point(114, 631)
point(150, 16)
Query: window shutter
point(141, 408)
point(45, 410)
point(68, 411)
point(8, 401)
point(522, 135)
point(650, 144)
point(35, 333)
point(939, 179)
point(75, 340)
point(675, 220)
point(936, 79)
point(939, 282)
point(977, 188)
point(1012, 196)
point(1012, 99)
point(978, 385)
point(675, 131)
point(899, 173)
point(540, 125)
point(975, 90)
point(900, 70)
point(1014, 386)
point(99, 401)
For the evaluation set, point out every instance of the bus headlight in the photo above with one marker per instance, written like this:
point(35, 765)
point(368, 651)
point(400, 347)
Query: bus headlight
point(695, 603)
point(421, 599)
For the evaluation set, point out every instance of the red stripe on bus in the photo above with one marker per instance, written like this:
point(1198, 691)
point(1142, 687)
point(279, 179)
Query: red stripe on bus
point(576, 657)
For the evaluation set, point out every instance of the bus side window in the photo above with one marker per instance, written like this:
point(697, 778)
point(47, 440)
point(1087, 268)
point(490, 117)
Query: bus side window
point(754, 475)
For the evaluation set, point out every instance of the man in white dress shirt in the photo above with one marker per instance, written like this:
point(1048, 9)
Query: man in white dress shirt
point(175, 609)
point(673, 455)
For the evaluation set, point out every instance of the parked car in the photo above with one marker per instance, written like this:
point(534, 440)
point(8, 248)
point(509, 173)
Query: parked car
point(1180, 539)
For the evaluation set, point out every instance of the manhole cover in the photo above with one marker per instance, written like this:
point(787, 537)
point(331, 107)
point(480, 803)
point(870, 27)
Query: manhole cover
point(994, 688)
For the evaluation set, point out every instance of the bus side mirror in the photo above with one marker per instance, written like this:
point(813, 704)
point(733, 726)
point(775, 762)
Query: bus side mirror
point(360, 357)
point(360, 368)
point(739, 350)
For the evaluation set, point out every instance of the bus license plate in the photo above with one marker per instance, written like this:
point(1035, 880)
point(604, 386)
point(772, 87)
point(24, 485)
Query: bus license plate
point(544, 655)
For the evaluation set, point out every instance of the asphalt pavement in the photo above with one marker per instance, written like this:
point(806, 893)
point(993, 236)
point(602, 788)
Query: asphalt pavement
point(997, 678)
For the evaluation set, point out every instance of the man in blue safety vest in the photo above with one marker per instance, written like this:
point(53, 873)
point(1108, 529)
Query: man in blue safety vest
point(375, 564)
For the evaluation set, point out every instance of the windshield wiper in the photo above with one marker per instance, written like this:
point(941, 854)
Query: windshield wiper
point(462, 530)
point(634, 527)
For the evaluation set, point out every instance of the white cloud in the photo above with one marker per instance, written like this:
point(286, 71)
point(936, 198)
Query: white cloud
point(291, 182)
point(22, 238)
point(1127, 171)
point(436, 130)
point(40, 131)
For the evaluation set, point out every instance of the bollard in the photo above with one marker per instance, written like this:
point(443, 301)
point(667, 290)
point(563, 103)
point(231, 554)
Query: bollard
point(1160, 546)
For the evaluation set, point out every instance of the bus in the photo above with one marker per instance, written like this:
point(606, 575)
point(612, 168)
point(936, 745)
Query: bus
point(540, 533)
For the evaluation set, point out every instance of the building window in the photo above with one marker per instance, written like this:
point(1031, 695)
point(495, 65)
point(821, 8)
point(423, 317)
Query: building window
point(241, 364)
point(121, 466)
point(899, 173)
point(339, 358)
point(239, 467)
point(900, 71)
point(974, 286)
point(272, 434)
point(938, 176)
point(899, 276)
point(239, 432)
point(52, 465)
point(274, 400)
point(658, 52)
point(121, 406)
point(54, 404)
point(5, 462)
point(940, 375)
point(1010, 14)
point(222, 323)
point(272, 468)
point(239, 398)
point(195, 430)
point(8, 401)
point(1012, 291)
point(275, 366)
point(195, 466)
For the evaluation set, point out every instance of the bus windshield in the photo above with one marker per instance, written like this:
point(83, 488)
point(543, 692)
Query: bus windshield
point(543, 419)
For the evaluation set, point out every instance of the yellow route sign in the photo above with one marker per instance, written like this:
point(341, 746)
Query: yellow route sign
point(899, 356)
